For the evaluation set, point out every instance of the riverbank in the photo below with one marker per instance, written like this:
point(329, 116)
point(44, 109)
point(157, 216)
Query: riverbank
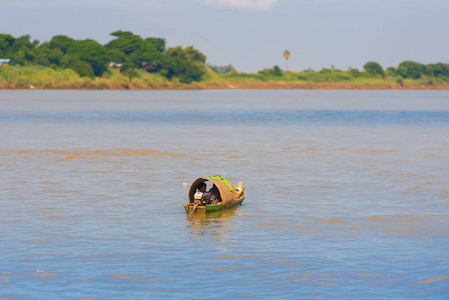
point(280, 85)
point(38, 77)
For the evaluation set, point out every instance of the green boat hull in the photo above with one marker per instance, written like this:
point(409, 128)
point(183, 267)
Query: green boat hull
point(210, 207)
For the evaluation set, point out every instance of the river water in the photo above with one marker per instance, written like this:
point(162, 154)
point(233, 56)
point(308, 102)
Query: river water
point(347, 194)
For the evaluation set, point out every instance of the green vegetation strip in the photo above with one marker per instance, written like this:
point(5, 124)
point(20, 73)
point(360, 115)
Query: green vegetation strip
point(132, 62)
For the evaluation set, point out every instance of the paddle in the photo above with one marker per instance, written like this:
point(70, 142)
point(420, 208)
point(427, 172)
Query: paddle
point(194, 207)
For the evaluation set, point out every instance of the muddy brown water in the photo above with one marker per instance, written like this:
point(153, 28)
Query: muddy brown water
point(347, 194)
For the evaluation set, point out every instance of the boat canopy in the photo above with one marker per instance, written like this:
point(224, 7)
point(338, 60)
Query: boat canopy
point(225, 188)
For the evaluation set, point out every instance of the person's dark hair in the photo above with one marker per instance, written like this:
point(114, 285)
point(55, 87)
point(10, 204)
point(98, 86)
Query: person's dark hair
point(201, 185)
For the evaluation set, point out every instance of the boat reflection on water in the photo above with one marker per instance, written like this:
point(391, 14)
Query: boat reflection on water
point(213, 223)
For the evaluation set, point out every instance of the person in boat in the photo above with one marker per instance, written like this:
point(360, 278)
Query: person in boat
point(202, 189)
point(214, 193)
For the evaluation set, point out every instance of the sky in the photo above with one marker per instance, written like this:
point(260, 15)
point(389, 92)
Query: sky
point(252, 35)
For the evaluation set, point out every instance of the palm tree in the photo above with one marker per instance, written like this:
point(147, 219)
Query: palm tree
point(286, 55)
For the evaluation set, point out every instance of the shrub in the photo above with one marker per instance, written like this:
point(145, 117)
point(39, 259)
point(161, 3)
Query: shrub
point(373, 68)
point(411, 69)
point(354, 72)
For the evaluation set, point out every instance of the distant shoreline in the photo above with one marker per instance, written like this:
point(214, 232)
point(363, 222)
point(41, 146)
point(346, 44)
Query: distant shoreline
point(131, 62)
point(278, 85)
point(38, 77)
point(286, 85)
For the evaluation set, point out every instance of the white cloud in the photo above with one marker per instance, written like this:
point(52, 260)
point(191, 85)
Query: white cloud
point(246, 4)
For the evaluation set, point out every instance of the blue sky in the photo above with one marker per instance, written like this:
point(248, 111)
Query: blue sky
point(252, 34)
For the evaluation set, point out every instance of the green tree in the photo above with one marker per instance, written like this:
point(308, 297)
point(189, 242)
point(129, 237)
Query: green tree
point(19, 58)
point(135, 49)
point(391, 71)
point(91, 52)
point(354, 72)
point(158, 42)
point(185, 62)
point(61, 42)
point(84, 69)
point(286, 55)
point(187, 72)
point(275, 71)
point(6, 42)
point(45, 56)
point(125, 41)
point(191, 73)
point(117, 56)
point(23, 43)
point(439, 70)
point(189, 54)
point(147, 53)
point(19, 49)
point(411, 69)
point(373, 68)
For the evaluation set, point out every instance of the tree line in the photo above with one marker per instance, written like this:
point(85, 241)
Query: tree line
point(130, 51)
point(89, 58)
point(409, 69)
point(405, 70)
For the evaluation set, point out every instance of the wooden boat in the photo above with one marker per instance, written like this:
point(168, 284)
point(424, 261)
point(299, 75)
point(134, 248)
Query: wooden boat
point(230, 195)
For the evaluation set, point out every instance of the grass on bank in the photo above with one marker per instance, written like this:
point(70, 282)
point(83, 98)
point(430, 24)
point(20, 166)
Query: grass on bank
point(328, 78)
point(25, 77)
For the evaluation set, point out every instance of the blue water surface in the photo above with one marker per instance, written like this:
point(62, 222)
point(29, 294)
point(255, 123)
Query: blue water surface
point(347, 194)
